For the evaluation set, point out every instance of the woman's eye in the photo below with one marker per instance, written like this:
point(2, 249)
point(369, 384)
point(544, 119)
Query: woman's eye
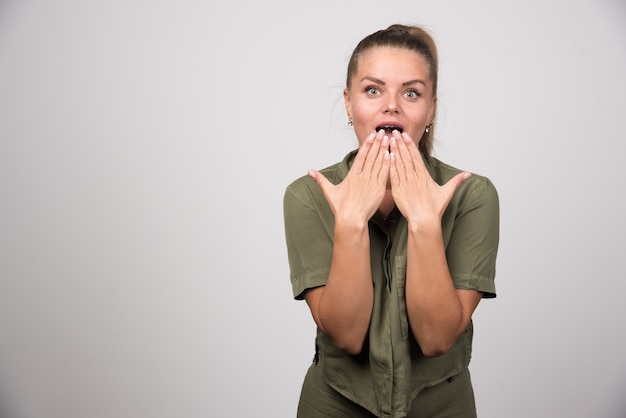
point(412, 94)
point(372, 90)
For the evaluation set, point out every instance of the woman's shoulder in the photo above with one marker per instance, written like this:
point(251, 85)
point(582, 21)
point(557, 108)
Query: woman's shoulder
point(442, 172)
point(335, 173)
point(478, 186)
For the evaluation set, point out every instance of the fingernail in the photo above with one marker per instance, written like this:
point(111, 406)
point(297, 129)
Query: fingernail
point(405, 136)
point(466, 176)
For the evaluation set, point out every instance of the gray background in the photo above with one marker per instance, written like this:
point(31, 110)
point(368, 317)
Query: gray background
point(144, 150)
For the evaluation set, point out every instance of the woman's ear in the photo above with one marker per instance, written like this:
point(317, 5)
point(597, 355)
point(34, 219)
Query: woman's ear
point(433, 111)
point(346, 100)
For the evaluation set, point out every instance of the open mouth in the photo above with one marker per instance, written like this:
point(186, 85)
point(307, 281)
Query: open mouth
point(389, 128)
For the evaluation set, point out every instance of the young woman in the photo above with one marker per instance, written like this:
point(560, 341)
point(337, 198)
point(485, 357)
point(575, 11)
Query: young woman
point(391, 248)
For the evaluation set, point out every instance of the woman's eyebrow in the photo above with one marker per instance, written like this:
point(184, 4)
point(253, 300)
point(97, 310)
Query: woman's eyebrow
point(373, 79)
point(416, 81)
point(382, 83)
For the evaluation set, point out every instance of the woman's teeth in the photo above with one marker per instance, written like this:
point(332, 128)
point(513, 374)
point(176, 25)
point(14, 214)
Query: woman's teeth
point(389, 129)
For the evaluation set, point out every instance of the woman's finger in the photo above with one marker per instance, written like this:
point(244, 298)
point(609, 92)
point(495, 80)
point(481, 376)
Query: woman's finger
point(366, 150)
point(321, 180)
point(380, 169)
point(410, 152)
point(374, 155)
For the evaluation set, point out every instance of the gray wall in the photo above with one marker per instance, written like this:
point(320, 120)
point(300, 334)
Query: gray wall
point(144, 150)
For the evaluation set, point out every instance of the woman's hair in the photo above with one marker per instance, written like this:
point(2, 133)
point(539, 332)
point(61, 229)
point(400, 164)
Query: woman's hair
point(411, 38)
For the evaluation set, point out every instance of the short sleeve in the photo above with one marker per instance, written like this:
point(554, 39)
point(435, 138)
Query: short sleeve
point(473, 244)
point(309, 226)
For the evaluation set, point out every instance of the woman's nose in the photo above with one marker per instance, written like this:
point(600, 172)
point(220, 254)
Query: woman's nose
point(392, 106)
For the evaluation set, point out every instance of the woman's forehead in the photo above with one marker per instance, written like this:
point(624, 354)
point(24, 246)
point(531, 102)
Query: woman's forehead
point(387, 60)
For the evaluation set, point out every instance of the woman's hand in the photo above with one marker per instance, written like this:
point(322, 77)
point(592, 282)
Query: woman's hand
point(360, 194)
point(420, 199)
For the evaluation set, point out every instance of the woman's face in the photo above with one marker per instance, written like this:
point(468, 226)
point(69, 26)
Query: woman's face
point(391, 89)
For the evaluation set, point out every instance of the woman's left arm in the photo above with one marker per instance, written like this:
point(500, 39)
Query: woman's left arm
point(438, 313)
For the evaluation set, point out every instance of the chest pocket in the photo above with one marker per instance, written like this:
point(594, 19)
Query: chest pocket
point(399, 278)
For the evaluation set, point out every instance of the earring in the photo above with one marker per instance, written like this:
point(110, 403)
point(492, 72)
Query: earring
point(428, 129)
point(350, 123)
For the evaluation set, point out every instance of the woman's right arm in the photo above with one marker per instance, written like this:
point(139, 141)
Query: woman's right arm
point(342, 308)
